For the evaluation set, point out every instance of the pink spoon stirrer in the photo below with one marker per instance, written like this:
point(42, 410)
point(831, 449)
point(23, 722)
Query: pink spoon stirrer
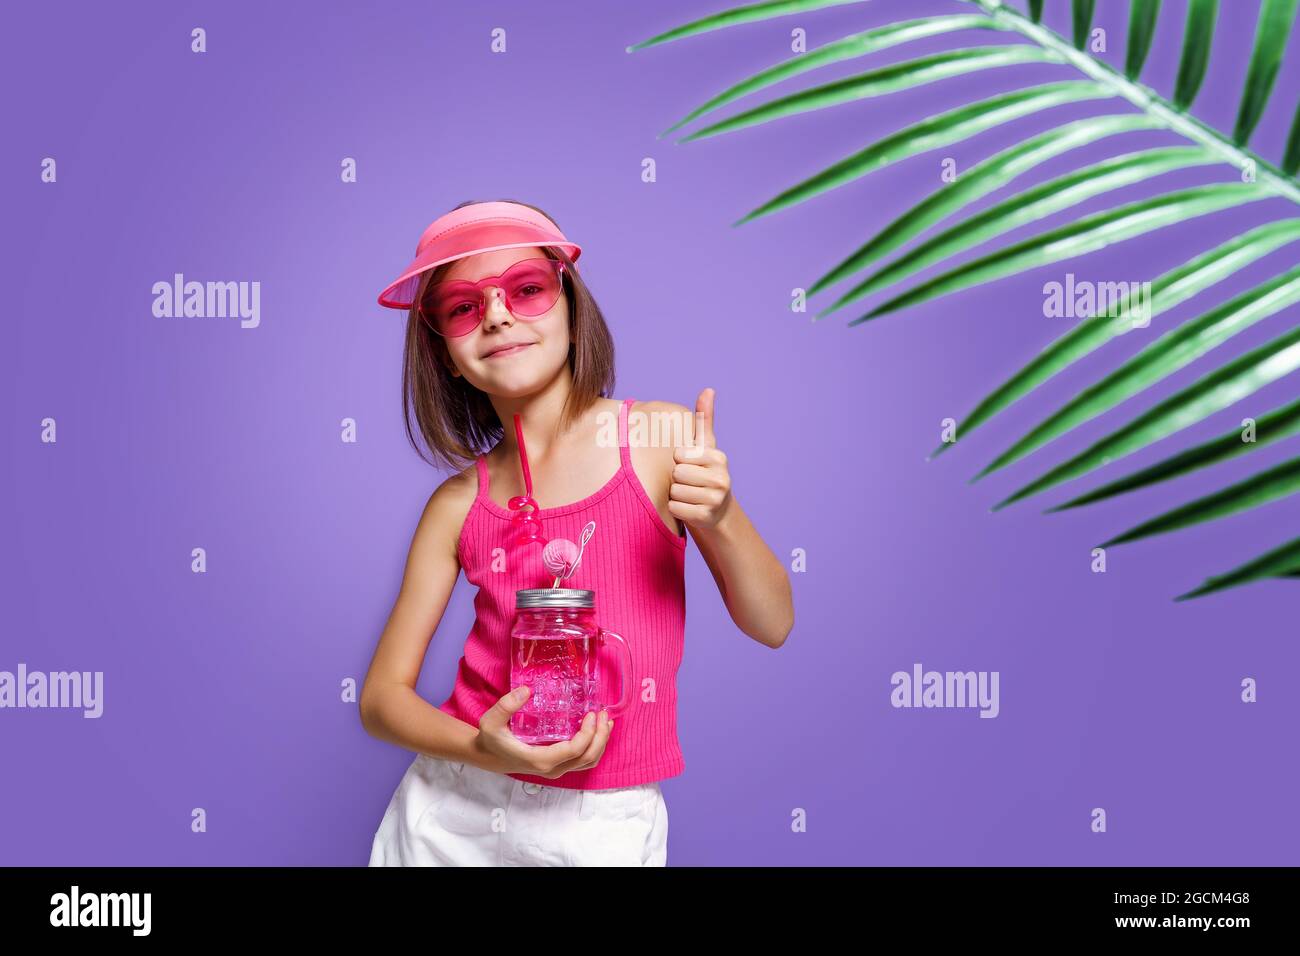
point(562, 557)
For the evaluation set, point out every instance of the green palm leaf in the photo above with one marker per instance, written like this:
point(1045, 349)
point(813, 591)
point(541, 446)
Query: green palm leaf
point(1283, 560)
point(1276, 425)
point(1160, 359)
point(747, 14)
point(1275, 17)
point(1179, 346)
point(932, 133)
point(1030, 206)
point(1141, 29)
point(1197, 39)
point(1213, 392)
point(977, 182)
point(849, 47)
point(1291, 161)
point(890, 79)
point(1257, 490)
point(1087, 235)
point(1081, 13)
point(1167, 291)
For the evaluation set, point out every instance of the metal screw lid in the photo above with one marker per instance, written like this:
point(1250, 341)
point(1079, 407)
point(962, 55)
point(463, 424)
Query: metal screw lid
point(554, 598)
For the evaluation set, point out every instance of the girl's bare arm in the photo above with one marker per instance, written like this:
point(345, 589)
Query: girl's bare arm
point(391, 709)
point(695, 488)
point(753, 583)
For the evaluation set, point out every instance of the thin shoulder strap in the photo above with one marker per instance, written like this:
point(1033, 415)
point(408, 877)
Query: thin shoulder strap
point(624, 449)
point(481, 463)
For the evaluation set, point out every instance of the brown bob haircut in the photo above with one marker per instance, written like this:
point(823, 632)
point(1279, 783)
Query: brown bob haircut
point(456, 420)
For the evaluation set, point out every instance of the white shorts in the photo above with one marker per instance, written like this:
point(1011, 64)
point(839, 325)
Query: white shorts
point(446, 813)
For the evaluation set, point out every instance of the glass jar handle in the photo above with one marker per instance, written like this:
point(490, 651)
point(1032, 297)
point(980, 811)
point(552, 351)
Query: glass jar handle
point(624, 672)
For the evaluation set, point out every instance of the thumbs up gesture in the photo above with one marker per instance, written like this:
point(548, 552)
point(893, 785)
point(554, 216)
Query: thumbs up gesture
point(701, 488)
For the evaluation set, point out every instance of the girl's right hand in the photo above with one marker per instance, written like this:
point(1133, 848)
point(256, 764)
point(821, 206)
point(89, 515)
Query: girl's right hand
point(503, 752)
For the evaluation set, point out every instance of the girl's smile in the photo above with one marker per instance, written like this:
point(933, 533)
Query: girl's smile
point(506, 349)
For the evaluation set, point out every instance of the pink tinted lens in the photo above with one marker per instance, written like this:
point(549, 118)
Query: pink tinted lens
point(452, 311)
point(531, 288)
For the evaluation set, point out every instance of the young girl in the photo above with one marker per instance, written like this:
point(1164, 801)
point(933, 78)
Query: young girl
point(501, 325)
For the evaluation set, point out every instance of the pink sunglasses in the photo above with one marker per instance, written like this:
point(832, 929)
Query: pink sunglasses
point(455, 308)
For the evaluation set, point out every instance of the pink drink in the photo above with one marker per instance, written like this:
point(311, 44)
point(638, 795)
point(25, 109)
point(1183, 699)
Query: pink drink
point(561, 687)
point(554, 651)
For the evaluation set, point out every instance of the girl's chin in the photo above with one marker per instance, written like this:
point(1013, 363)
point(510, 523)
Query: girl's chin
point(515, 382)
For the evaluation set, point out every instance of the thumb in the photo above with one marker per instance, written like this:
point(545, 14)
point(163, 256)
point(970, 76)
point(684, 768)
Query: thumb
point(704, 436)
point(501, 711)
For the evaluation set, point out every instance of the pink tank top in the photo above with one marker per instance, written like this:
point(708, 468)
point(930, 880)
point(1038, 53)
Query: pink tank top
point(635, 563)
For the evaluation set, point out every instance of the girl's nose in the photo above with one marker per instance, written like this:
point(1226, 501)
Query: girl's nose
point(494, 310)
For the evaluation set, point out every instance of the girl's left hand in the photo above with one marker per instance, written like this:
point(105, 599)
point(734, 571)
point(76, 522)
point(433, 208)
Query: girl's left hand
point(700, 493)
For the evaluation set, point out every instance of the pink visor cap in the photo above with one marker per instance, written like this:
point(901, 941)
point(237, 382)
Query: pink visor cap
point(480, 227)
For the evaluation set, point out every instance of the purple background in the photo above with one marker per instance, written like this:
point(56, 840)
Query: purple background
point(222, 690)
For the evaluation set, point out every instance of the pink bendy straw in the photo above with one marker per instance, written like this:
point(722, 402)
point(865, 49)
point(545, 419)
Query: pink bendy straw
point(526, 523)
point(560, 556)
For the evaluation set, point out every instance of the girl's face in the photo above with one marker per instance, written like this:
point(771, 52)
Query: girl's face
point(508, 355)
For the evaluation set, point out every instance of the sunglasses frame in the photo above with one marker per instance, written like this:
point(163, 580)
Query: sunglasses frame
point(556, 264)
